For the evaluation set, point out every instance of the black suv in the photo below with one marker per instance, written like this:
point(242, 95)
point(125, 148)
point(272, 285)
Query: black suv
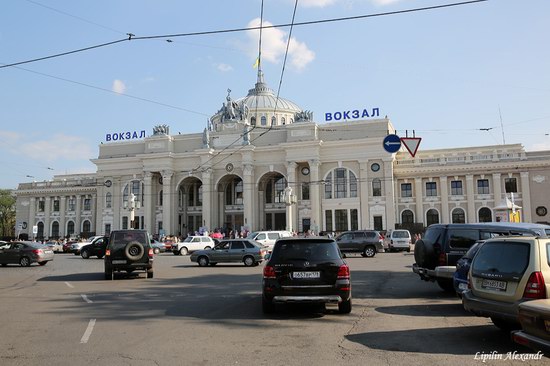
point(306, 270)
point(366, 242)
point(128, 250)
point(437, 253)
point(96, 248)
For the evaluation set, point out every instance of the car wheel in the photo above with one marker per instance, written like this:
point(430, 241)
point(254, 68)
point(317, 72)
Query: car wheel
point(76, 253)
point(203, 261)
point(156, 250)
point(184, 251)
point(268, 307)
point(446, 285)
point(369, 252)
point(85, 254)
point(344, 307)
point(134, 250)
point(248, 261)
point(504, 325)
point(25, 262)
point(43, 263)
point(150, 274)
point(207, 248)
point(4, 264)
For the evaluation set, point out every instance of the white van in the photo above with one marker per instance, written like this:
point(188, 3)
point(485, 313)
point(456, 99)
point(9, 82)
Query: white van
point(268, 238)
point(398, 240)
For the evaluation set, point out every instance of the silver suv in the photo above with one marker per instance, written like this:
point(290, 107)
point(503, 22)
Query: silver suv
point(366, 242)
point(505, 272)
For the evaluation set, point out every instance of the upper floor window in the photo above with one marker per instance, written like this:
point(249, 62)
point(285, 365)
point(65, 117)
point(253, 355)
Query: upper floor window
point(376, 187)
point(56, 205)
point(108, 200)
point(273, 121)
point(72, 204)
point(263, 121)
point(41, 206)
point(135, 187)
point(510, 185)
point(283, 121)
point(87, 204)
point(406, 189)
point(431, 189)
point(456, 188)
point(275, 190)
point(340, 183)
point(305, 191)
point(483, 186)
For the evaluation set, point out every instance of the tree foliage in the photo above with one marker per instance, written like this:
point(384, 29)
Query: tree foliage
point(7, 212)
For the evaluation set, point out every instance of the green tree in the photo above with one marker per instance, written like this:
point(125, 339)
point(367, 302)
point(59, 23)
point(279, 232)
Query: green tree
point(7, 213)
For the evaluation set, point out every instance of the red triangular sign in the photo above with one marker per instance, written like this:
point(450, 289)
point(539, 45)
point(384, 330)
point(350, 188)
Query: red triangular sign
point(411, 143)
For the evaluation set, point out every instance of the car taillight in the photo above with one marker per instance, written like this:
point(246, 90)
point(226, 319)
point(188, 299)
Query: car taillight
point(380, 237)
point(269, 272)
point(343, 271)
point(151, 252)
point(535, 288)
point(108, 252)
point(37, 251)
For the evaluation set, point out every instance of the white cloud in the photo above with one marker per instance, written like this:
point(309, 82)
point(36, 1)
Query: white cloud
point(59, 146)
point(316, 3)
point(119, 86)
point(224, 67)
point(274, 46)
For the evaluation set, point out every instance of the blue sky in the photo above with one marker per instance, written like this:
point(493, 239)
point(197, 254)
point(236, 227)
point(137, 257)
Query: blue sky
point(443, 73)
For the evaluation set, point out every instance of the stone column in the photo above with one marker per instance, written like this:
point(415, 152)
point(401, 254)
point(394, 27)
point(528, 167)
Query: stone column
point(315, 196)
point(78, 209)
point(364, 194)
point(32, 217)
point(207, 192)
point(62, 213)
point(526, 197)
point(47, 214)
point(167, 197)
point(249, 189)
point(443, 181)
point(497, 190)
point(470, 191)
point(291, 214)
point(149, 203)
point(93, 208)
point(418, 195)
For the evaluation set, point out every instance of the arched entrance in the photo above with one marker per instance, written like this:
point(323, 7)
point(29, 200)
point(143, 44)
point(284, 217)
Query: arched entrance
point(230, 203)
point(190, 205)
point(272, 208)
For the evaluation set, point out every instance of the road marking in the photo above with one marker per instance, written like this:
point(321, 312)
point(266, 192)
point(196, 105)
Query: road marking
point(68, 284)
point(86, 299)
point(88, 331)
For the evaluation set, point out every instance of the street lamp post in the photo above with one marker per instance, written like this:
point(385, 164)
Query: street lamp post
point(131, 206)
point(289, 200)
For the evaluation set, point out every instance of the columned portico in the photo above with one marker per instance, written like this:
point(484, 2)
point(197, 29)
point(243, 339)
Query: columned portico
point(249, 189)
point(148, 202)
point(167, 204)
point(207, 192)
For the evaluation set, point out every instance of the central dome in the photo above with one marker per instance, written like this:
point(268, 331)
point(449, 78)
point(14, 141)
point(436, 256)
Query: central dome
point(262, 97)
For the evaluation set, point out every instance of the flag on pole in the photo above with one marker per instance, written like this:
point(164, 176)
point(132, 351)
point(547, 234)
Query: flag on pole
point(257, 63)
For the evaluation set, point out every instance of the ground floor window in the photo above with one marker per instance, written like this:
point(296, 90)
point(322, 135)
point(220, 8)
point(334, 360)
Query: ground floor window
point(124, 222)
point(354, 219)
point(432, 217)
point(328, 220)
point(342, 220)
point(378, 223)
point(107, 229)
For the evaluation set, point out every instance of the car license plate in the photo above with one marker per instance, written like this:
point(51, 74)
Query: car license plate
point(315, 274)
point(494, 285)
point(118, 261)
point(48, 251)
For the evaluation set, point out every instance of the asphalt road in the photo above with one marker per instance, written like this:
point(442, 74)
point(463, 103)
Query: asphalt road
point(65, 313)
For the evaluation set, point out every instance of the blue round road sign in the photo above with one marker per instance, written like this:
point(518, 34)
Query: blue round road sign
point(392, 143)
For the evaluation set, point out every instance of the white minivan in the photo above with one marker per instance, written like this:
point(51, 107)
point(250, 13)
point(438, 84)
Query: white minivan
point(398, 240)
point(268, 238)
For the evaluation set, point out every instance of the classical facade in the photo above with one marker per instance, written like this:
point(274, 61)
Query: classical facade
point(263, 163)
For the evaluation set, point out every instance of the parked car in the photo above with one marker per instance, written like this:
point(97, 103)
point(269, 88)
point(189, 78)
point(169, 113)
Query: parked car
point(193, 243)
point(158, 247)
point(306, 270)
point(366, 242)
point(534, 317)
point(67, 246)
point(245, 251)
point(268, 238)
point(25, 253)
point(505, 272)
point(128, 250)
point(97, 248)
point(398, 240)
point(437, 253)
point(77, 246)
point(55, 246)
point(460, 277)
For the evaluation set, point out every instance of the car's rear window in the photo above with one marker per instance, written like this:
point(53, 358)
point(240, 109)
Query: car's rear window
point(309, 251)
point(433, 234)
point(463, 238)
point(400, 234)
point(123, 238)
point(504, 257)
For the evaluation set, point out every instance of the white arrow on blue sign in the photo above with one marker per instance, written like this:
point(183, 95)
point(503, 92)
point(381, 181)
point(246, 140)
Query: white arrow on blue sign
point(392, 143)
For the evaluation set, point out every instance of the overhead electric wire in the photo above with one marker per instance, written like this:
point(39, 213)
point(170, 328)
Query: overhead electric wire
point(234, 30)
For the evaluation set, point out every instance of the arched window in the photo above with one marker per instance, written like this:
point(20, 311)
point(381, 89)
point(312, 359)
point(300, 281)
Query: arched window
point(263, 121)
point(108, 200)
point(234, 192)
point(135, 187)
point(86, 226)
point(432, 217)
point(458, 216)
point(273, 121)
point(376, 187)
point(485, 215)
point(283, 121)
point(340, 183)
point(274, 190)
point(55, 230)
point(40, 233)
point(407, 217)
point(70, 228)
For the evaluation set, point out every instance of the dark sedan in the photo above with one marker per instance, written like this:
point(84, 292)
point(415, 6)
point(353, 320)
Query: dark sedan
point(24, 253)
point(96, 248)
point(246, 251)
